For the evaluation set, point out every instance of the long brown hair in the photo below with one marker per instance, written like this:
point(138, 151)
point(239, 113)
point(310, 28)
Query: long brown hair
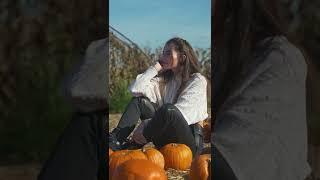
point(187, 66)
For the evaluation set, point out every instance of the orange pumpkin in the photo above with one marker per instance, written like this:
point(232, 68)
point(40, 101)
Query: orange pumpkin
point(200, 168)
point(177, 156)
point(154, 156)
point(139, 169)
point(110, 151)
point(119, 157)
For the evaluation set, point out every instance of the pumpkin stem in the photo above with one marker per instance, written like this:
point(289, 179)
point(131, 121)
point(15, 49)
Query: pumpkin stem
point(174, 144)
point(144, 149)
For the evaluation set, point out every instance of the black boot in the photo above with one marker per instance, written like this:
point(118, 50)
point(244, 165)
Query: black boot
point(114, 144)
point(130, 144)
point(198, 137)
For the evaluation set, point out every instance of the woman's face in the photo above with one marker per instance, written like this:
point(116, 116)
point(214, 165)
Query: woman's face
point(170, 57)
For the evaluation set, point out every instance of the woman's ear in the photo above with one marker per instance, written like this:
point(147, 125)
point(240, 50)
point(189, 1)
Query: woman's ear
point(184, 57)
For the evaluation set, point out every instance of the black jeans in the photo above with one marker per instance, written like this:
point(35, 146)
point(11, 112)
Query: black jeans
point(220, 168)
point(81, 150)
point(167, 124)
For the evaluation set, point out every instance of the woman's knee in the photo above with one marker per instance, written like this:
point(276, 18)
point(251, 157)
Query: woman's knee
point(144, 103)
point(140, 100)
point(171, 109)
point(135, 99)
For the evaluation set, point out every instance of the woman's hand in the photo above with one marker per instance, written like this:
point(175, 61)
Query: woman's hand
point(165, 62)
point(158, 66)
point(138, 134)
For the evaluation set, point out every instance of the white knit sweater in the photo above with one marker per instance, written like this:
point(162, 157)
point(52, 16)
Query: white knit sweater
point(192, 101)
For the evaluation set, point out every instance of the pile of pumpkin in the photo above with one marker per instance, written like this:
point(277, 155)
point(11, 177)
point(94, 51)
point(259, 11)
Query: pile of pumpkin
point(150, 164)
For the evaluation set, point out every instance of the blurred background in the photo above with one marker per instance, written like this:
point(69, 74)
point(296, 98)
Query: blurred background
point(41, 41)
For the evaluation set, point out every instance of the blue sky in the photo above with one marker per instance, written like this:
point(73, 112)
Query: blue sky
point(151, 22)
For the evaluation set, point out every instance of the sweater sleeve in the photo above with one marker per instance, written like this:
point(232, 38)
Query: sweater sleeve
point(144, 84)
point(192, 102)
